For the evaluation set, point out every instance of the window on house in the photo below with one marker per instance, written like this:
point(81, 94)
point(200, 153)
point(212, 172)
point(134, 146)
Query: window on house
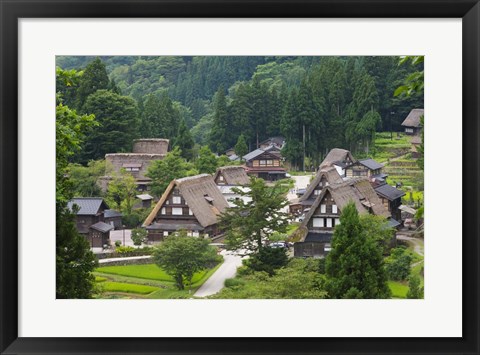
point(162, 211)
point(220, 178)
point(165, 233)
point(177, 200)
point(189, 233)
point(318, 222)
point(190, 212)
point(196, 234)
point(317, 192)
point(334, 209)
point(176, 211)
point(329, 222)
point(323, 208)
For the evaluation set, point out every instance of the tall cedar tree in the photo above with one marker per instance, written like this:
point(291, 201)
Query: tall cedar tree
point(74, 261)
point(117, 116)
point(241, 147)
point(221, 131)
point(162, 172)
point(184, 141)
point(248, 224)
point(181, 257)
point(354, 267)
point(94, 78)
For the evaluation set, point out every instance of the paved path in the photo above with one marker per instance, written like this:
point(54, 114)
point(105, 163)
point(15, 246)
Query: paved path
point(417, 242)
point(226, 271)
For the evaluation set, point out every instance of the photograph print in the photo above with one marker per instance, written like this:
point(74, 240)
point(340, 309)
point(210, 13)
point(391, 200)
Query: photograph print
point(239, 177)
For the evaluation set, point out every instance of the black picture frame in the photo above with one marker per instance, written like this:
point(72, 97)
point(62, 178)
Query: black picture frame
point(11, 11)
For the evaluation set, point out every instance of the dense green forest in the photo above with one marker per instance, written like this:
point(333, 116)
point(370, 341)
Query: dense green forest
point(316, 103)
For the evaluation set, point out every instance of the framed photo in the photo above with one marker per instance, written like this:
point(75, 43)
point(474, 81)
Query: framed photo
point(37, 34)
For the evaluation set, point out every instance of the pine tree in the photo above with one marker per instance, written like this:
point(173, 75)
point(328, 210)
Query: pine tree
point(94, 78)
point(184, 141)
point(354, 267)
point(241, 147)
point(221, 131)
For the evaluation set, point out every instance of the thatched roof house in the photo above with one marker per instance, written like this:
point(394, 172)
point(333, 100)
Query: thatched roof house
point(191, 203)
point(412, 122)
point(317, 228)
point(339, 158)
point(231, 175)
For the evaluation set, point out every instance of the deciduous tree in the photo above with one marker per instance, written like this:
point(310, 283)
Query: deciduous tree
point(182, 256)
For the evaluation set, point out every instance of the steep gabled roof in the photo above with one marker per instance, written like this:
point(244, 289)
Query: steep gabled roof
point(233, 175)
point(195, 190)
point(88, 206)
point(357, 190)
point(330, 173)
point(413, 118)
point(336, 155)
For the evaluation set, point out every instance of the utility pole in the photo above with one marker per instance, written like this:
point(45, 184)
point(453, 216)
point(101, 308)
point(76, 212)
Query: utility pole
point(391, 132)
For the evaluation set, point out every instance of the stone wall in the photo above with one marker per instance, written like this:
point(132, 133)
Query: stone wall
point(150, 146)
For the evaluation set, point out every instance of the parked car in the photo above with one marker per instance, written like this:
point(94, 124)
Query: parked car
point(279, 245)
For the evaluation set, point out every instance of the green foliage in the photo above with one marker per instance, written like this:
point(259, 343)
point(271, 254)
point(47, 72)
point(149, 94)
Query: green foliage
point(94, 78)
point(121, 192)
point(162, 172)
point(355, 267)
point(66, 85)
point(206, 162)
point(299, 279)
point(84, 179)
point(184, 141)
point(109, 286)
point(220, 134)
point(118, 243)
point(124, 249)
point(248, 224)
point(136, 217)
point(139, 236)
point(241, 147)
point(415, 290)
point(117, 116)
point(397, 265)
point(398, 289)
point(267, 260)
point(74, 260)
point(160, 118)
point(182, 256)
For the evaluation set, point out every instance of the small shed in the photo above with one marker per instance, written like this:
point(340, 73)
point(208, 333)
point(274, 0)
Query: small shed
point(114, 218)
point(146, 200)
point(412, 122)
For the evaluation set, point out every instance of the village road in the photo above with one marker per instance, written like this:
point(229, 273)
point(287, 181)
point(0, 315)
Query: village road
point(226, 271)
point(417, 242)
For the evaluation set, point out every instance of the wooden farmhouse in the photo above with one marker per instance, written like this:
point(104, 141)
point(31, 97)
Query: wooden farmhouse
point(231, 175)
point(90, 220)
point(338, 158)
point(366, 167)
point(324, 177)
point(412, 122)
point(265, 164)
point(277, 142)
point(317, 228)
point(145, 151)
point(193, 204)
point(114, 218)
point(391, 198)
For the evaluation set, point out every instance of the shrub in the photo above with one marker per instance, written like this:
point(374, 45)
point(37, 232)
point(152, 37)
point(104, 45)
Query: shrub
point(397, 265)
point(234, 282)
point(124, 249)
point(268, 260)
point(118, 243)
point(139, 235)
point(414, 288)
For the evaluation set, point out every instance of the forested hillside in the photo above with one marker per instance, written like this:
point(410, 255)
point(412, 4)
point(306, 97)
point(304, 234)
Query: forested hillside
point(316, 103)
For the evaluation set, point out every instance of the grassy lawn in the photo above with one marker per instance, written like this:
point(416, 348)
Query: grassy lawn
point(399, 290)
point(144, 281)
point(147, 271)
point(109, 286)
